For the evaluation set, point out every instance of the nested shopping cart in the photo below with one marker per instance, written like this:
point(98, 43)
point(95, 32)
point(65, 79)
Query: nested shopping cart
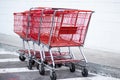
point(55, 29)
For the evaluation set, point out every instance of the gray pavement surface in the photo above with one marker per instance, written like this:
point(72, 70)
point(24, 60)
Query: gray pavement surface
point(35, 75)
point(12, 64)
point(17, 70)
point(6, 56)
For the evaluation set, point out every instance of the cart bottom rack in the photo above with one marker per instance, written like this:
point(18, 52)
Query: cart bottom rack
point(58, 57)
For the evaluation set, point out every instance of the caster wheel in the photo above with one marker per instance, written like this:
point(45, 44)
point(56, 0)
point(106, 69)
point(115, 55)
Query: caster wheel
point(30, 64)
point(59, 65)
point(37, 65)
point(45, 62)
point(52, 65)
point(84, 72)
point(72, 67)
point(53, 76)
point(22, 58)
point(33, 62)
point(41, 69)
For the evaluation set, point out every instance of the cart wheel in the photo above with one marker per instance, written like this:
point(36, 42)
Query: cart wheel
point(37, 65)
point(52, 65)
point(22, 58)
point(45, 62)
point(33, 62)
point(30, 64)
point(59, 65)
point(53, 75)
point(84, 72)
point(41, 69)
point(72, 67)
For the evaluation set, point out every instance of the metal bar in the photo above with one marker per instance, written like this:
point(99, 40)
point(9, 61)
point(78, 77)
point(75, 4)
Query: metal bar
point(37, 8)
point(34, 49)
point(29, 54)
point(41, 56)
point(37, 61)
point(52, 27)
point(21, 54)
point(43, 52)
point(71, 55)
point(83, 55)
point(28, 23)
point(59, 50)
point(49, 67)
point(23, 44)
point(51, 55)
point(40, 26)
point(82, 23)
point(88, 25)
point(61, 22)
point(76, 19)
point(75, 25)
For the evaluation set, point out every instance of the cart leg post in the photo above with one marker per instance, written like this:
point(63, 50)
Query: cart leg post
point(41, 56)
point(51, 55)
point(84, 69)
point(70, 53)
point(43, 52)
point(53, 75)
point(21, 54)
point(29, 54)
point(34, 50)
point(34, 54)
point(41, 65)
point(59, 50)
point(29, 62)
point(23, 44)
point(83, 55)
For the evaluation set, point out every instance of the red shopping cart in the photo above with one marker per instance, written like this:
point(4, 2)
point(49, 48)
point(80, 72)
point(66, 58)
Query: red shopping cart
point(23, 22)
point(53, 28)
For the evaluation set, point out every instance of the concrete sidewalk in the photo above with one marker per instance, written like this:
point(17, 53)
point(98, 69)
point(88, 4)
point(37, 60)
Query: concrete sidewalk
point(100, 62)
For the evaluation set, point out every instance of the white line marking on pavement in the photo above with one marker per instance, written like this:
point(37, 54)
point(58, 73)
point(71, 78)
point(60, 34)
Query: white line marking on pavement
point(10, 60)
point(8, 52)
point(25, 69)
point(80, 78)
point(14, 70)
